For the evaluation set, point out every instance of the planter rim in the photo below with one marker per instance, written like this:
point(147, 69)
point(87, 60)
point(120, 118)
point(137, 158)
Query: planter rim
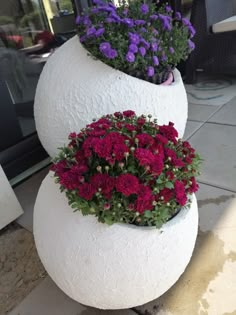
point(176, 74)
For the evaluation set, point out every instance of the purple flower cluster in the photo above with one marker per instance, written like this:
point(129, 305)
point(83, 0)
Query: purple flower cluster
point(107, 51)
point(135, 36)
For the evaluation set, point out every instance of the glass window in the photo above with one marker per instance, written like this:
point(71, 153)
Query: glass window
point(30, 31)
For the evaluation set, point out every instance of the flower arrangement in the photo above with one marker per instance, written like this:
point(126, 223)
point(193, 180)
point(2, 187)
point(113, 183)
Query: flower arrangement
point(124, 168)
point(143, 40)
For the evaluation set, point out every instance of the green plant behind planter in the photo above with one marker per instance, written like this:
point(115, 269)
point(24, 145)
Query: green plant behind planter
point(136, 38)
point(124, 168)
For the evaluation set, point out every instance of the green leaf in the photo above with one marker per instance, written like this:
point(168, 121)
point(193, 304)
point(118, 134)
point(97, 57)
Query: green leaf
point(147, 214)
point(169, 185)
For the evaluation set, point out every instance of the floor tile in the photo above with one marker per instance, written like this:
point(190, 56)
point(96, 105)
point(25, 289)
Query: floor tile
point(207, 286)
point(48, 299)
point(217, 146)
point(26, 194)
point(227, 114)
point(198, 112)
point(191, 127)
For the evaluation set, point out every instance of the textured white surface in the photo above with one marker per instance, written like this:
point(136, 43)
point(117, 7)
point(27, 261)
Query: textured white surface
point(110, 267)
point(10, 209)
point(74, 88)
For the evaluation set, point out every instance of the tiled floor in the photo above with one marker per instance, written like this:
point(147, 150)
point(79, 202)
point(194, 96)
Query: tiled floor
point(208, 286)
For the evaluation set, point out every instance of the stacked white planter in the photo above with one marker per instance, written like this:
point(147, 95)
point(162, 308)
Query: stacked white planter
point(110, 267)
point(74, 88)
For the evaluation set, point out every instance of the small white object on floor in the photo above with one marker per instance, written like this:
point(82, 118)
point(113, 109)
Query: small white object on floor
point(10, 208)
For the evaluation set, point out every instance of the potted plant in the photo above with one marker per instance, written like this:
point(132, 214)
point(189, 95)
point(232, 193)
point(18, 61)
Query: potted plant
point(131, 183)
point(123, 56)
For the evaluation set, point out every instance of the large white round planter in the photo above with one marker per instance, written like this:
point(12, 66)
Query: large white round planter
point(74, 88)
point(110, 267)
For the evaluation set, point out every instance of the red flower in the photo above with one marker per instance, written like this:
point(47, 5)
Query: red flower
point(127, 184)
point(86, 191)
point(144, 156)
point(88, 146)
point(118, 115)
point(103, 148)
point(145, 199)
point(60, 167)
point(144, 140)
point(166, 193)
point(119, 151)
point(130, 127)
point(180, 193)
point(72, 135)
point(141, 121)
point(157, 165)
point(169, 132)
point(170, 175)
point(105, 182)
point(79, 156)
point(161, 138)
point(194, 186)
point(128, 113)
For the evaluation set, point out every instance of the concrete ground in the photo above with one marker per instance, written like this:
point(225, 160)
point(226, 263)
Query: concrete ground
point(208, 286)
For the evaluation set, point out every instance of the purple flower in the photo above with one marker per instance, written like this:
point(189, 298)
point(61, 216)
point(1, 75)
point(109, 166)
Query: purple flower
point(142, 51)
point(154, 47)
point(171, 50)
point(133, 48)
point(115, 17)
point(155, 60)
point(153, 17)
point(78, 20)
point(168, 8)
point(144, 8)
point(134, 38)
point(191, 30)
point(110, 20)
point(100, 31)
point(178, 15)
point(145, 43)
point(186, 22)
point(105, 46)
point(91, 31)
point(164, 58)
point(130, 57)
point(191, 44)
point(83, 38)
point(110, 53)
point(143, 29)
point(86, 21)
point(150, 71)
point(139, 22)
point(166, 21)
point(128, 22)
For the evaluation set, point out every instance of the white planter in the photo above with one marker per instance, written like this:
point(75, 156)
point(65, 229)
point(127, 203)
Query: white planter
point(110, 267)
point(74, 88)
